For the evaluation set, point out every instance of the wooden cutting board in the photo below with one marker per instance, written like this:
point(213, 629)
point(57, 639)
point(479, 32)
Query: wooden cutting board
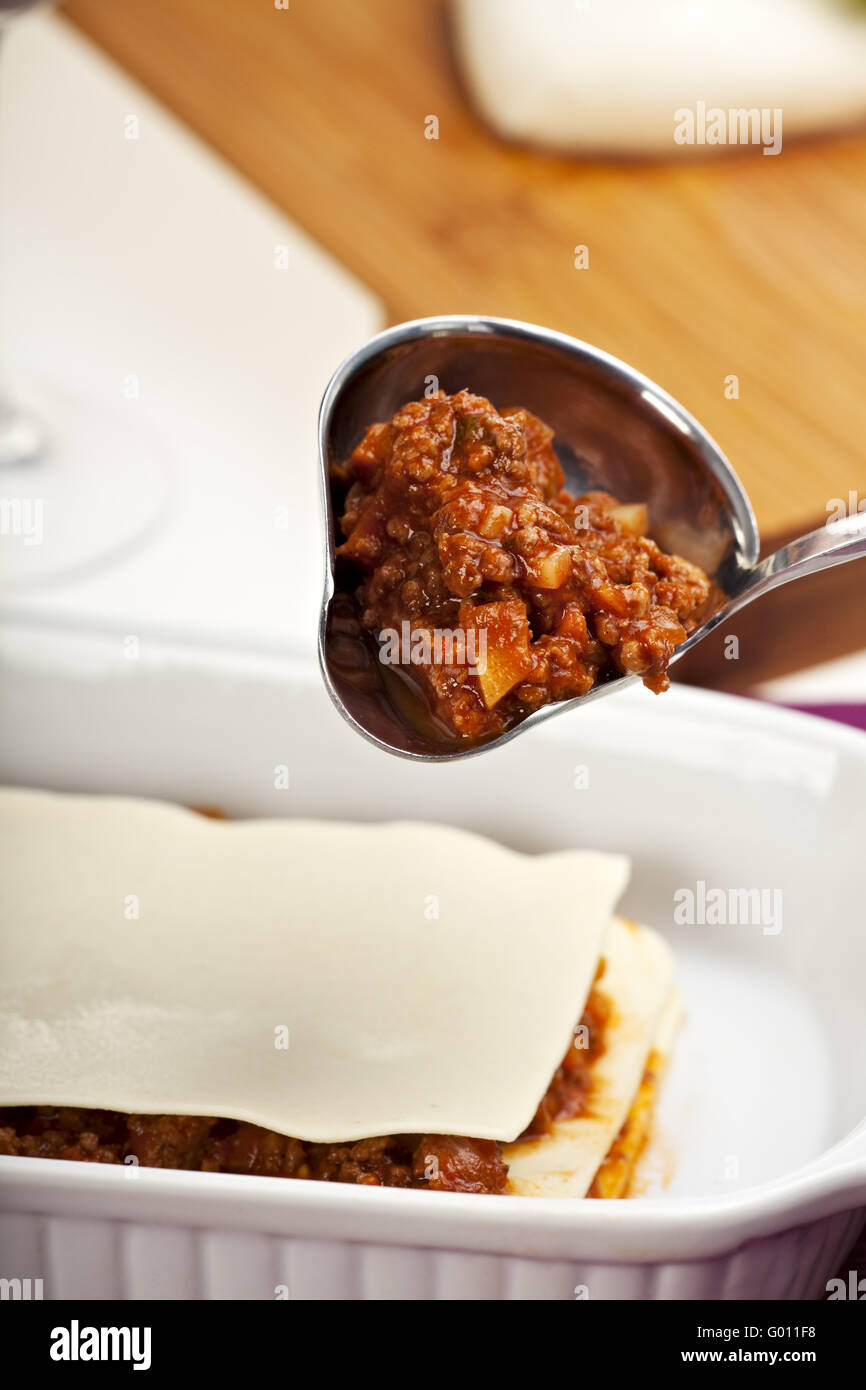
point(737, 266)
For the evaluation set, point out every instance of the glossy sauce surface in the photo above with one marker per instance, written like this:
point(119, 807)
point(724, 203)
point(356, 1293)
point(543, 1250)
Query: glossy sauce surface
point(456, 529)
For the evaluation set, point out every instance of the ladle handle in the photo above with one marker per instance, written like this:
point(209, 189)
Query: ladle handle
point(832, 544)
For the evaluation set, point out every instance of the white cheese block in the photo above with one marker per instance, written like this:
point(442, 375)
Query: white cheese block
point(608, 76)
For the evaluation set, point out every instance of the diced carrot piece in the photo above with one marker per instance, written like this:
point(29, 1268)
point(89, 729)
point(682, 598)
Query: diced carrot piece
point(551, 570)
point(633, 517)
point(495, 520)
point(504, 656)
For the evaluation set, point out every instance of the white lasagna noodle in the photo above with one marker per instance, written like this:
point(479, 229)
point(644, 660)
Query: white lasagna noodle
point(425, 980)
point(638, 980)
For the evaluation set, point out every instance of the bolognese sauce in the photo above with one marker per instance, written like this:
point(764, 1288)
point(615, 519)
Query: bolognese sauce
point(455, 519)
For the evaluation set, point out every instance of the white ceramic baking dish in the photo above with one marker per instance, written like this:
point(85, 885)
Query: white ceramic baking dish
point(756, 1180)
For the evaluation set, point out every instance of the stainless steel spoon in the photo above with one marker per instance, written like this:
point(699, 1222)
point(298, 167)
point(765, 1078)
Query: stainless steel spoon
point(614, 429)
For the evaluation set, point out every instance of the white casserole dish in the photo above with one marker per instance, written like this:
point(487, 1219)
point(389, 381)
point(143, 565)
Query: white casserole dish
point(762, 1127)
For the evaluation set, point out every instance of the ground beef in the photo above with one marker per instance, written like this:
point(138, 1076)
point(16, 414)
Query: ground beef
point(441, 1162)
point(455, 518)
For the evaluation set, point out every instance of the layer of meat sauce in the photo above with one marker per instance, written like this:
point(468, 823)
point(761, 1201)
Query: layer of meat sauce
point(455, 518)
point(449, 1163)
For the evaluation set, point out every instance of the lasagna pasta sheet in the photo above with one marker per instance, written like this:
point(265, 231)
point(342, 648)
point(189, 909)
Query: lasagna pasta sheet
point(330, 981)
point(638, 979)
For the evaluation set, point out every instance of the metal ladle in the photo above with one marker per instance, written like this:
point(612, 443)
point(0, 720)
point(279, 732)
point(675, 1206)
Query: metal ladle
point(614, 430)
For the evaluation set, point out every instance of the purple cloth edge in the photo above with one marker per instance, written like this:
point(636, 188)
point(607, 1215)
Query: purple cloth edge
point(843, 712)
